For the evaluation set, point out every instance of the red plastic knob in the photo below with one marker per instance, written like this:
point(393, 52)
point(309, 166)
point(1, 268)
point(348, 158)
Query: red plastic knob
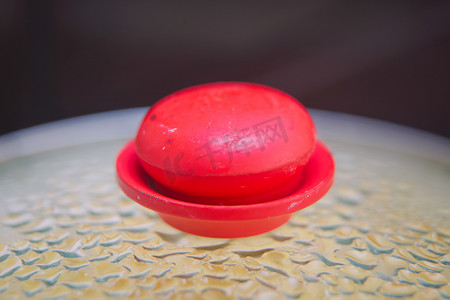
point(226, 143)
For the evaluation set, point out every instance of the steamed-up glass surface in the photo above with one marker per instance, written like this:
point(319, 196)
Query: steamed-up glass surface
point(68, 231)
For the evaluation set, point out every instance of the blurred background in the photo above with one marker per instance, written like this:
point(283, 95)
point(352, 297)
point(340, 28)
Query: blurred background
point(388, 60)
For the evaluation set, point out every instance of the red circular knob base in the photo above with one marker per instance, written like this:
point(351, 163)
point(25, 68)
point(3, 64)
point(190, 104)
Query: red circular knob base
point(225, 221)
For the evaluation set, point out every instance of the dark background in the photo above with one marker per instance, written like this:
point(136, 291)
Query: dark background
point(383, 59)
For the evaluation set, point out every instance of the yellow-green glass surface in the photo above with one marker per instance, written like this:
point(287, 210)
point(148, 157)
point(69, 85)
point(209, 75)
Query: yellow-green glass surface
point(67, 231)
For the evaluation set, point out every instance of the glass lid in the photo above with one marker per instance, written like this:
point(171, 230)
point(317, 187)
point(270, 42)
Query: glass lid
point(67, 231)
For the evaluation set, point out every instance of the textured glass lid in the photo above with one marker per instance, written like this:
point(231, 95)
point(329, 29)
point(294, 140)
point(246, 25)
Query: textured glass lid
point(68, 231)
